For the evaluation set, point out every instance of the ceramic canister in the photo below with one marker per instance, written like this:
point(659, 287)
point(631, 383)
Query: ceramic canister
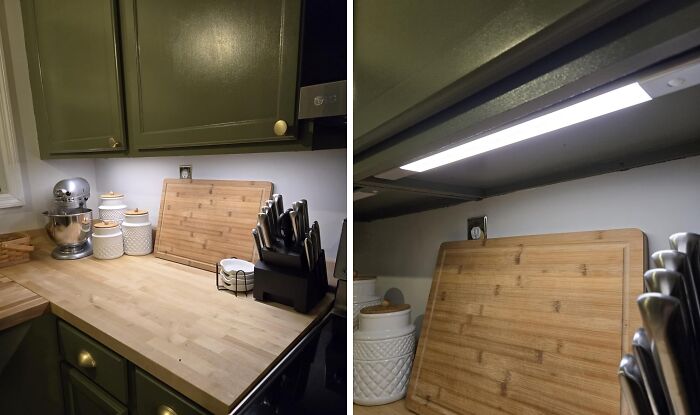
point(364, 293)
point(383, 348)
point(112, 207)
point(107, 240)
point(138, 235)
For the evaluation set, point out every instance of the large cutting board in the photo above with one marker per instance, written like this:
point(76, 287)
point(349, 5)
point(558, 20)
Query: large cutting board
point(529, 325)
point(203, 221)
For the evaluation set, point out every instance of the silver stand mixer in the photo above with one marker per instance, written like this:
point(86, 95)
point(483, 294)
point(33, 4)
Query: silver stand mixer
point(70, 222)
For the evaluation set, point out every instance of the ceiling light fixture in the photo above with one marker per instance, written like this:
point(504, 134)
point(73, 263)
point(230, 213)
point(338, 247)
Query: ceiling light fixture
point(615, 100)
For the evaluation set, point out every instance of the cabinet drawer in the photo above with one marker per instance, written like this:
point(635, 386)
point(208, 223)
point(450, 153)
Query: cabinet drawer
point(85, 398)
point(152, 397)
point(95, 361)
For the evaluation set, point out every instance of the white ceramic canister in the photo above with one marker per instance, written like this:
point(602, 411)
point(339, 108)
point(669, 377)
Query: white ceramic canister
point(112, 207)
point(363, 287)
point(383, 348)
point(138, 235)
point(360, 303)
point(107, 240)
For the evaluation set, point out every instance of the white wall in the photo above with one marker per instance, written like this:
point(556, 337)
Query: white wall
point(660, 199)
point(319, 177)
point(38, 176)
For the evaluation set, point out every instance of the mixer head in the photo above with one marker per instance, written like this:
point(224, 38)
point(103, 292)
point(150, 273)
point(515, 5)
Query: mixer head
point(71, 193)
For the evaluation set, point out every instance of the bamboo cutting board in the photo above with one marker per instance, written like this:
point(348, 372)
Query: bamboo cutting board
point(204, 221)
point(529, 325)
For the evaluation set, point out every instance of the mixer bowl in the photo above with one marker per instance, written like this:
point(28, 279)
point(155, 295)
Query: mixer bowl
point(69, 229)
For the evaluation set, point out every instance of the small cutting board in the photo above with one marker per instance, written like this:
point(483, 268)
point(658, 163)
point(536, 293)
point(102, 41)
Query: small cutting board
point(204, 221)
point(529, 325)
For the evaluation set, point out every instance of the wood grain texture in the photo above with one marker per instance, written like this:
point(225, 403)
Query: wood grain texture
point(204, 221)
point(169, 319)
point(18, 304)
point(529, 325)
point(394, 408)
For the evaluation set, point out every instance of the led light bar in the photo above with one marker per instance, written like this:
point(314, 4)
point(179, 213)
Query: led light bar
point(606, 103)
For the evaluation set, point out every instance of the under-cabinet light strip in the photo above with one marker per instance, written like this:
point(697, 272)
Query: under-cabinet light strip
point(597, 106)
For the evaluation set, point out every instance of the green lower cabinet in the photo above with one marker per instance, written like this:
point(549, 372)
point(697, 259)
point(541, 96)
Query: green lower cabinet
point(153, 397)
point(86, 398)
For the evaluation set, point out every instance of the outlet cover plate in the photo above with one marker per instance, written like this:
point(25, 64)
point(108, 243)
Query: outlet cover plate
point(476, 228)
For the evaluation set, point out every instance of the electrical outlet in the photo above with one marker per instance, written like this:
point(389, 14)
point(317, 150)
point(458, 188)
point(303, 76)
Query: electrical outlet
point(476, 228)
point(186, 171)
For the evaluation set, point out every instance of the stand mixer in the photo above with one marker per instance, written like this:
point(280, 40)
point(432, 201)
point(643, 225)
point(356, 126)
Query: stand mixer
point(70, 222)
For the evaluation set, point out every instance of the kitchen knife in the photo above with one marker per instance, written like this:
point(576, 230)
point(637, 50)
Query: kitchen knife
point(663, 321)
point(660, 280)
point(258, 244)
point(689, 244)
point(317, 242)
point(308, 249)
point(678, 261)
point(641, 346)
point(263, 222)
point(273, 215)
point(632, 386)
point(305, 208)
point(295, 226)
point(314, 253)
point(279, 204)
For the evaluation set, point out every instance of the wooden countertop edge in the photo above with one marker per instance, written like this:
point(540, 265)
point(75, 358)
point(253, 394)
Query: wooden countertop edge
point(197, 395)
point(39, 307)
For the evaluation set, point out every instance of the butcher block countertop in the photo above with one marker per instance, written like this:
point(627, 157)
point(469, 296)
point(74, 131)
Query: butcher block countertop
point(18, 304)
point(168, 319)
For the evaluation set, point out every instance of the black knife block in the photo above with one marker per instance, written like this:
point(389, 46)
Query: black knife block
point(285, 278)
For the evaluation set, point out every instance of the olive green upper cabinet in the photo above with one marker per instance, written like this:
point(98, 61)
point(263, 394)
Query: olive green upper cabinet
point(414, 58)
point(73, 55)
point(209, 73)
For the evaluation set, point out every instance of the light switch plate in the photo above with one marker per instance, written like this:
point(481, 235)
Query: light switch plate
point(476, 228)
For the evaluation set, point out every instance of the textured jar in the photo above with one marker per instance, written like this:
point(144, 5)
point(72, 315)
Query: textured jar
point(107, 240)
point(383, 348)
point(364, 294)
point(138, 235)
point(112, 207)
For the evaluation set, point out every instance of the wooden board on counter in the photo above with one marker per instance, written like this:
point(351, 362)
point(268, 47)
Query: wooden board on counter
point(529, 325)
point(170, 320)
point(18, 304)
point(204, 221)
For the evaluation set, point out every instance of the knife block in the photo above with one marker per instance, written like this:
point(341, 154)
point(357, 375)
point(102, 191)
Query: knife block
point(294, 284)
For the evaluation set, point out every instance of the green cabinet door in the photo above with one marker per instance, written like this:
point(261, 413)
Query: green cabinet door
point(209, 73)
point(73, 55)
point(85, 398)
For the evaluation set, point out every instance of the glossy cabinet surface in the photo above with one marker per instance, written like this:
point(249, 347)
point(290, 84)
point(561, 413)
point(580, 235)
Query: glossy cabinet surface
point(73, 54)
point(153, 397)
point(98, 363)
point(209, 73)
point(85, 398)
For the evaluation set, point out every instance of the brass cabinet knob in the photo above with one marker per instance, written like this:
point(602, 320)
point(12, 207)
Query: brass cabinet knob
point(280, 127)
point(86, 360)
point(166, 410)
point(113, 143)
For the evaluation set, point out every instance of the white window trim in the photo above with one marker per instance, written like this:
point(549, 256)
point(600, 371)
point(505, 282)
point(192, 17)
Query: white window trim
point(14, 196)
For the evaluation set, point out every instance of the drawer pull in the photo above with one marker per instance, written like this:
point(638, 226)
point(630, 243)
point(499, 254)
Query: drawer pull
point(86, 360)
point(166, 410)
point(280, 127)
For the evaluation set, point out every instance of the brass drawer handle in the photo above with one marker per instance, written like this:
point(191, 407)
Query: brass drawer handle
point(280, 127)
point(114, 143)
point(86, 360)
point(166, 410)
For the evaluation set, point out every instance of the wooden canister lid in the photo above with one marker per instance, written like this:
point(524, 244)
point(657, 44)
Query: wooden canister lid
point(384, 308)
point(106, 224)
point(136, 211)
point(111, 195)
